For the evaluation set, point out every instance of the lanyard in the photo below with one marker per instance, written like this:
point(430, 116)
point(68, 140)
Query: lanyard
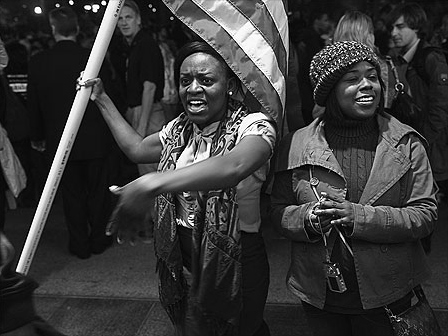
point(314, 181)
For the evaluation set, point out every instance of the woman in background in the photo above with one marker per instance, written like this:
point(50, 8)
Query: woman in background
point(354, 193)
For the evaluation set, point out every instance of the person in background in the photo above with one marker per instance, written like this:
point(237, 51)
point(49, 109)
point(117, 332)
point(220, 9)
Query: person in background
point(381, 36)
point(4, 59)
point(309, 43)
point(293, 109)
point(170, 100)
point(145, 80)
point(423, 69)
point(51, 92)
point(358, 26)
point(12, 176)
point(213, 157)
point(354, 193)
point(444, 33)
point(144, 74)
point(18, 123)
point(440, 35)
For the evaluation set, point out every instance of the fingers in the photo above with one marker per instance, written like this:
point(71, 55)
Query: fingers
point(124, 225)
point(127, 236)
point(87, 83)
point(330, 204)
point(111, 228)
point(116, 190)
point(345, 222)
point(114, 221)
point(124, 236)
point(334, 209)
point(120, 240)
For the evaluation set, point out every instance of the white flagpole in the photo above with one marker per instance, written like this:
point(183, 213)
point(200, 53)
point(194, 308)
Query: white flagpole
point(82, 97)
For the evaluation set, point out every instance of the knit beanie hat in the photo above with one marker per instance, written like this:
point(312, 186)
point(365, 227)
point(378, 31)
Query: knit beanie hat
point(332, 62)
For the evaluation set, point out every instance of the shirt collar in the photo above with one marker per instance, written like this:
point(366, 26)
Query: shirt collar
point(409, 55)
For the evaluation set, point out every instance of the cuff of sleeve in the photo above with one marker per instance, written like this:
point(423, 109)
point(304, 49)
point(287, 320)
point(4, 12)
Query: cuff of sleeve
point(310, 235)
point(359, 217)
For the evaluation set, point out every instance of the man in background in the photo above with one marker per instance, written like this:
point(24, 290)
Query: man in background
point(424, 71)
point(51, 91)
point(145, 79)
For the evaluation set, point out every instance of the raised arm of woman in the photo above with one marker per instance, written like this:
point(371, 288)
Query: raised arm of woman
point(137, 148)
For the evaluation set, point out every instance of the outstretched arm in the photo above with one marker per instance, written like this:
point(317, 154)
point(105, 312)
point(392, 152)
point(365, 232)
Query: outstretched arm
point(213, 173)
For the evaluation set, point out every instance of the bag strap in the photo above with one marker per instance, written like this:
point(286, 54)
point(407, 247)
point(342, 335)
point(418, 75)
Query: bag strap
point(418, 292)
point(399, 86)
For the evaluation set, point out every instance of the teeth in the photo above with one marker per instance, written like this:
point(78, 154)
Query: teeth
point(365, 99)
point(196, 102)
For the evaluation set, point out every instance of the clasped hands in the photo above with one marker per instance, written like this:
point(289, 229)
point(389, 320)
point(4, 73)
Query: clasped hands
point(329, 211)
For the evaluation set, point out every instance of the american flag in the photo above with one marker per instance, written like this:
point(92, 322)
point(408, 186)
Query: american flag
point(253, 38)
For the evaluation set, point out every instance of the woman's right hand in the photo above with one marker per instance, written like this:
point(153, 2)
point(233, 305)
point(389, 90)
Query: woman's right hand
point(95, 83)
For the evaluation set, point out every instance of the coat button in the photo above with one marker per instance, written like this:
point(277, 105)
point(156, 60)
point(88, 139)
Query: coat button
point(383, 248)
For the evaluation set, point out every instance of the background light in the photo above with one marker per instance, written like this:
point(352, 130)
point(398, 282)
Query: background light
point(37, 10)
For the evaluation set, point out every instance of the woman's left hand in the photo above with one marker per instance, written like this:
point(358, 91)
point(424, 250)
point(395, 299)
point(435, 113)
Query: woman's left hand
point(340, 209)
point(131, 212)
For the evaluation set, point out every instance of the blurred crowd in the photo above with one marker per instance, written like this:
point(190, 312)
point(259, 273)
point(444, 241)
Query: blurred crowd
point(311, 28)
point(138, 97)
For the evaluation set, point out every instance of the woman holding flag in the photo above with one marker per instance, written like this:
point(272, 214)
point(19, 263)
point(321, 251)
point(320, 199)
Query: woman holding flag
point(213, 160)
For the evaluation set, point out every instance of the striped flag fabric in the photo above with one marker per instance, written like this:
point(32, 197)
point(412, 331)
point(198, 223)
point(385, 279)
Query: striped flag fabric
point(253, 38)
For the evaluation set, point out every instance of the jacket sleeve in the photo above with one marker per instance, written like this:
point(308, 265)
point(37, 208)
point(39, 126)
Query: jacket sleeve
point(287, 215)
point(417, 215)
point(437, 114)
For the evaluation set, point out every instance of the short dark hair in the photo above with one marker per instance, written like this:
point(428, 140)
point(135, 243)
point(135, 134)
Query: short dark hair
point(132, 5)
point(413, 14)
point(64, 20)
point(197, 47)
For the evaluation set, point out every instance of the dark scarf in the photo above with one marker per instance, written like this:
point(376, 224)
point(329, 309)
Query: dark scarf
point(214, 300)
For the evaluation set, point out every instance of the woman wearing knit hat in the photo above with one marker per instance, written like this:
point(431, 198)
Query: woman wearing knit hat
point(354, 193)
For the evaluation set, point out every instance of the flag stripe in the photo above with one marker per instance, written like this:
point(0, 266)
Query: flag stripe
point(262, 19)
point(280, 18)
point(241, 44)
point(248, 38)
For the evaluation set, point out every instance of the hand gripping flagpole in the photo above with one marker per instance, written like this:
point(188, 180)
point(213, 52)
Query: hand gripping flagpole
point(82, 97)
